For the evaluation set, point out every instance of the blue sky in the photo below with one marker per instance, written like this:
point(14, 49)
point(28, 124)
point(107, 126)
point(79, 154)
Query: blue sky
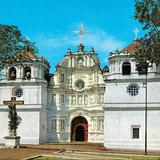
point(50, 23)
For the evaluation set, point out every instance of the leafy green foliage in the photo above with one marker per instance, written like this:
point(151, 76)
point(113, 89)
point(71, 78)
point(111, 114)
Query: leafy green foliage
point(148, 48)
point(12, 42)
point(147, 12)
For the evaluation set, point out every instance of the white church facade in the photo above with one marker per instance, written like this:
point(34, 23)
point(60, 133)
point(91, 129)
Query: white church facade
point(75, 109)
point(65, 107)
point(69, 105)
point(124, 112)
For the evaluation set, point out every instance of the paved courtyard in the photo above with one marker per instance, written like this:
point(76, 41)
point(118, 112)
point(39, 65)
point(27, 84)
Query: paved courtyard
point(76, 151)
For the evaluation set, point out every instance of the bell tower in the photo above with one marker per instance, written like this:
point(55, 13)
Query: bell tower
point(26, 77)
point(27, 67)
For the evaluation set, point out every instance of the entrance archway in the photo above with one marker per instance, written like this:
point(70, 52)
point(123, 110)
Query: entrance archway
point(79, 129)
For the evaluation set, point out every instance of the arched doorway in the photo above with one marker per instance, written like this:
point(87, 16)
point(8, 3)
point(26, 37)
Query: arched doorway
point(79, 129)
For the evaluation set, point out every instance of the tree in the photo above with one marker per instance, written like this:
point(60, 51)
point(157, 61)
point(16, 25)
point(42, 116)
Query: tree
point(148, 48)
point(12, 42)
point(147, 12)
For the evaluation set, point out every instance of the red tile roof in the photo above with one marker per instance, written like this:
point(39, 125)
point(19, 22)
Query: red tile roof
point(130, 48)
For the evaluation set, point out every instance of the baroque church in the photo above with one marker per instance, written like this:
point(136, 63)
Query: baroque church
point(82, 102)
point(64, 107)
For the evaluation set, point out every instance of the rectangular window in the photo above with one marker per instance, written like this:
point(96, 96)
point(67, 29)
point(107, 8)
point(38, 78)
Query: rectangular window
point(135, 132)
point(54, 124)
point(62, 125)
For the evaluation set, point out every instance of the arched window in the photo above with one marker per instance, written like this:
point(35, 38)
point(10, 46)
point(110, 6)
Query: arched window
point(126, 68)
point(46, 75)
point(12, 73)
point(27, 73)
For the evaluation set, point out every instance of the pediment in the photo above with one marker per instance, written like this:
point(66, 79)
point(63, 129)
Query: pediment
point(79, 111)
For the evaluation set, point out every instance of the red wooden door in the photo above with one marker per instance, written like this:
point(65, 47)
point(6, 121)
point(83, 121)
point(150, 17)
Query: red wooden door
point(79, 129)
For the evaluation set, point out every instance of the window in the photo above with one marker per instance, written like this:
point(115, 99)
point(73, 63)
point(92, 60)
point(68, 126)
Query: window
point(133, 89)
point(46, 75)
point(54, 124)
point(19, 92)
point(135, 132)
point(62, 125)
point(80, 84)
point(12, 73)
point(27, 73)
point(62, 99)
point(126, 68)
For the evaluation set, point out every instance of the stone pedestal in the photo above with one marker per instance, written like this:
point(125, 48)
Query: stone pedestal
point(12, 141)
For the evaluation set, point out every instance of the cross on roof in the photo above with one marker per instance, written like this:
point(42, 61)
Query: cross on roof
point(81, 32)
point(136, 31)
point(13, 102)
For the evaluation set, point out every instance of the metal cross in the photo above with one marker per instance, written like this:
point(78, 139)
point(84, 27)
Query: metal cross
point(81, 32)
point(136, 31)
point(13, 102)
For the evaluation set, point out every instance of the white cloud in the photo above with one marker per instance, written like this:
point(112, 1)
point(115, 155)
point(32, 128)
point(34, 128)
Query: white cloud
point(99, 39)
point(103, 42)
point(55, 45)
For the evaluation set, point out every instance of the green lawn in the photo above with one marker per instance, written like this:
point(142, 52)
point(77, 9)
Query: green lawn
point(136, 157)
point(109, 156)
point(48, 158)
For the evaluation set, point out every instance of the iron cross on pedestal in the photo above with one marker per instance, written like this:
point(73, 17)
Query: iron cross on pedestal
point(13, 102)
